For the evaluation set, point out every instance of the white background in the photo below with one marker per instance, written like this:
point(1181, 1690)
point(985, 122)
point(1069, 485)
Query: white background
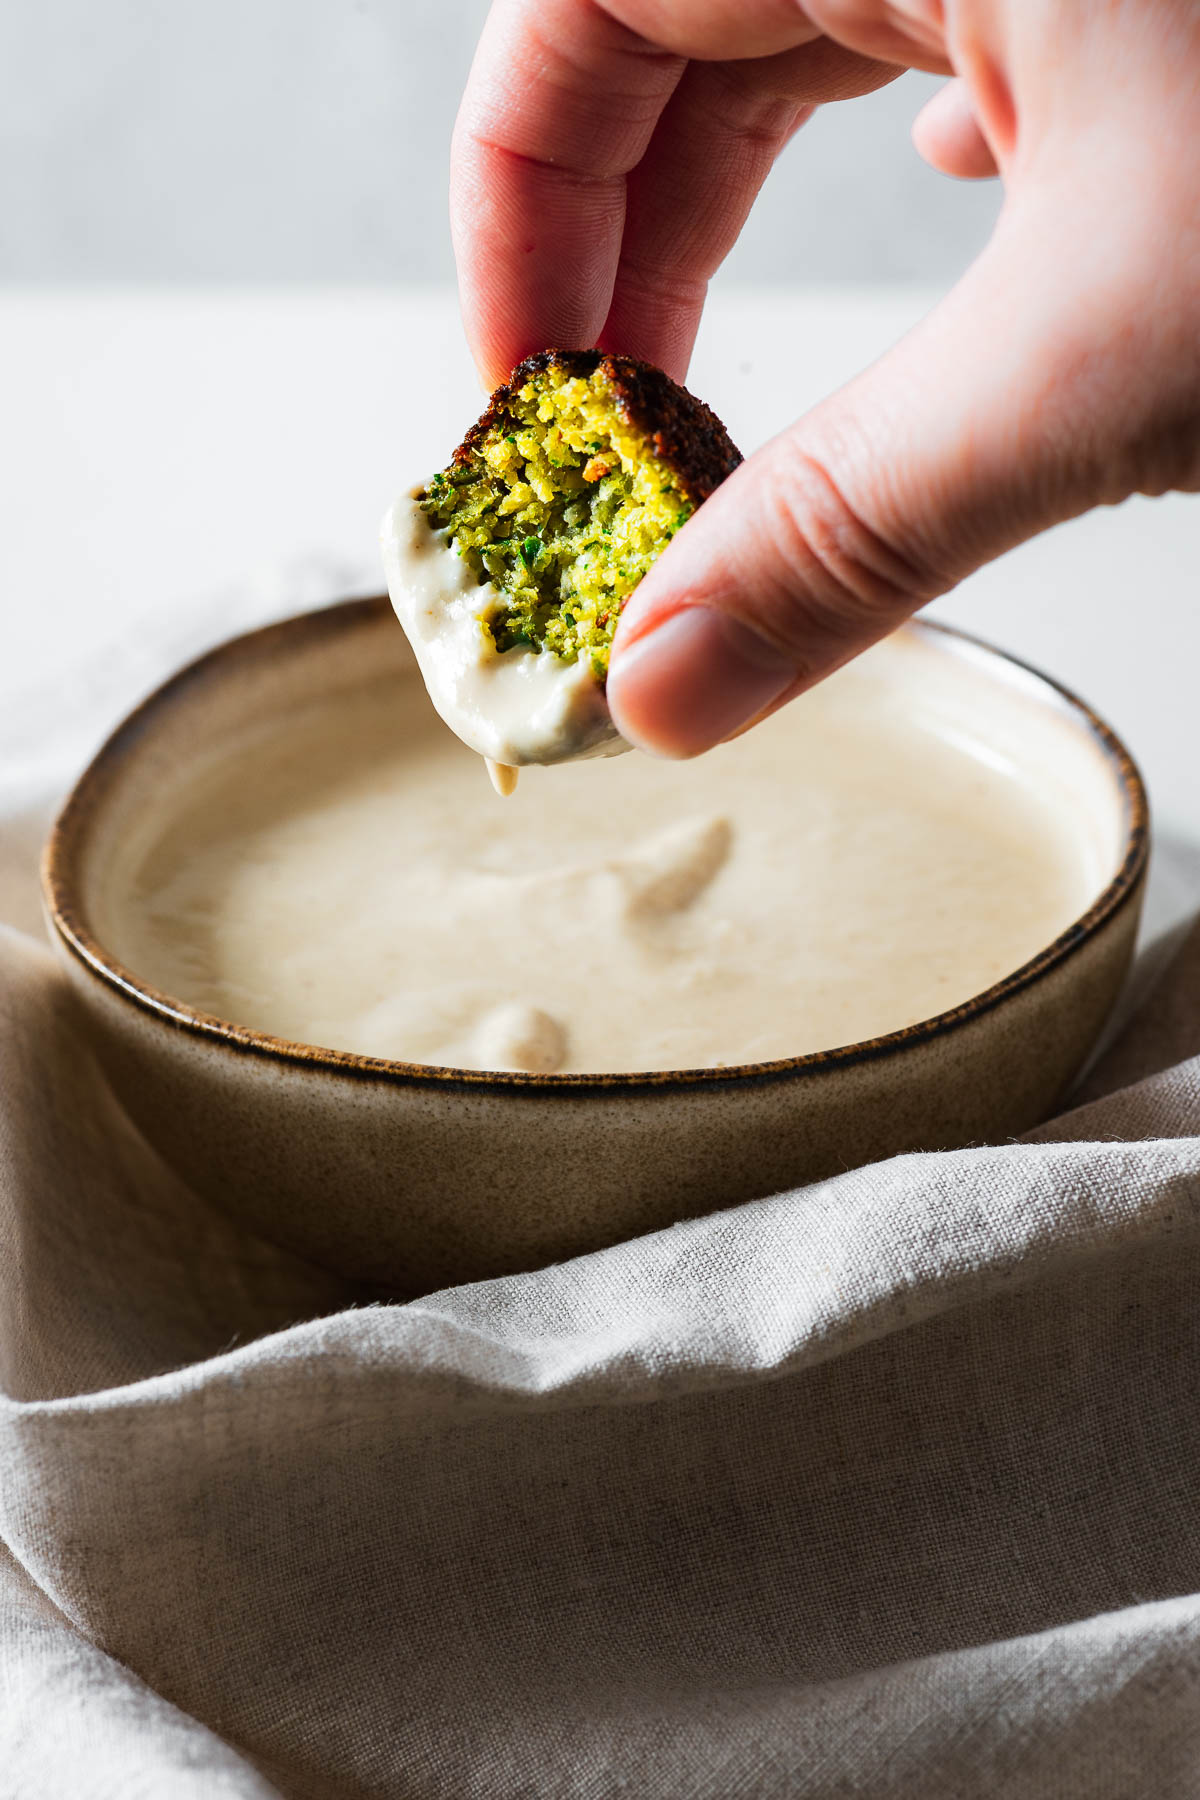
point(306, 140)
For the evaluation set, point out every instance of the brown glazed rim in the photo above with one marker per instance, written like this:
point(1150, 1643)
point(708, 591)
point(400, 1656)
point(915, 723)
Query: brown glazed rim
point(67, 848)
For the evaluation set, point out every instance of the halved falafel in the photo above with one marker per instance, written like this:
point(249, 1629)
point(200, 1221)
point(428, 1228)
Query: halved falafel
point(578, 475)
point(557, 502)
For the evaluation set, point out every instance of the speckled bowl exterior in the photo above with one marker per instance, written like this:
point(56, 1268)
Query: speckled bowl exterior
point(414, 1177)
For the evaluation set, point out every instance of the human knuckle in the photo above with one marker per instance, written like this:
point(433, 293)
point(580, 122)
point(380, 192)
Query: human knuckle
point(846, 574)
point(741, 106)
point(654, 281)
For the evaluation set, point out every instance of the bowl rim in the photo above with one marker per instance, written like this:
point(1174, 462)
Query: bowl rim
point(67, 844)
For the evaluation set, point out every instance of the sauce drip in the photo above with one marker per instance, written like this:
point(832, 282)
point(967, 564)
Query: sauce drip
point(502, 776)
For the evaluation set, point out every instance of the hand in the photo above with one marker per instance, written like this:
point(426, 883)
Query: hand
point(605, 158)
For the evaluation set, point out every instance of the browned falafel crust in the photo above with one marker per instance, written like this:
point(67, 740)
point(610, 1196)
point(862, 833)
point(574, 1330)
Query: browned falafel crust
point(566, 491)
point(679, 429)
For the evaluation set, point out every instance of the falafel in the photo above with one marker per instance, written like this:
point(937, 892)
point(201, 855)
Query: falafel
point(555, 505)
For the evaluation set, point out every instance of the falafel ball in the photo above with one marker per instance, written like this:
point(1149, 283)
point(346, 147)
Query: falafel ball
point(573, 482)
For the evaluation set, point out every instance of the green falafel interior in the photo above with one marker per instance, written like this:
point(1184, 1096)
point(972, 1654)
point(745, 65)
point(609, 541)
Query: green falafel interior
point(576, 478)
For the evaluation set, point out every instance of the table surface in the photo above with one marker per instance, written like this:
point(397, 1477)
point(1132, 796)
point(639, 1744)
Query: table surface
point(160, 451)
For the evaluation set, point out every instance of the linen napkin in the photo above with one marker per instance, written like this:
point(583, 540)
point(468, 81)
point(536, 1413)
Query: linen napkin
point(884, 1487)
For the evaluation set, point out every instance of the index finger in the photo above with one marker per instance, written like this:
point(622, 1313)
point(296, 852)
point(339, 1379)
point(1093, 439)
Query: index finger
point(560, 105)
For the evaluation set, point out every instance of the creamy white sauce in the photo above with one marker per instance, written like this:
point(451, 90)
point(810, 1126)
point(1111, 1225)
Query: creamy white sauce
point(860, 861)
point(515, 708)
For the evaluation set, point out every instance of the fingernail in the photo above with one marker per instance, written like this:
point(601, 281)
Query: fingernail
point(692, 680)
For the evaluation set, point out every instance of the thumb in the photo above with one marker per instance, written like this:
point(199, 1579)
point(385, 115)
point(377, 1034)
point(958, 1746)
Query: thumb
point(1012, 406)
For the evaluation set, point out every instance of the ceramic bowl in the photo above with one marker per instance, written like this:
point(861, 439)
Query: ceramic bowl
point(414, 1177)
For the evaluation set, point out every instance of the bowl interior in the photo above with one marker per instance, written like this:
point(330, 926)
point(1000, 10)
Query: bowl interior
point(257, 686)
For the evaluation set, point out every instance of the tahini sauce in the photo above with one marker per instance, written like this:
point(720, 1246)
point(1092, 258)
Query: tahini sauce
point(841, 871)
point(515, 708)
